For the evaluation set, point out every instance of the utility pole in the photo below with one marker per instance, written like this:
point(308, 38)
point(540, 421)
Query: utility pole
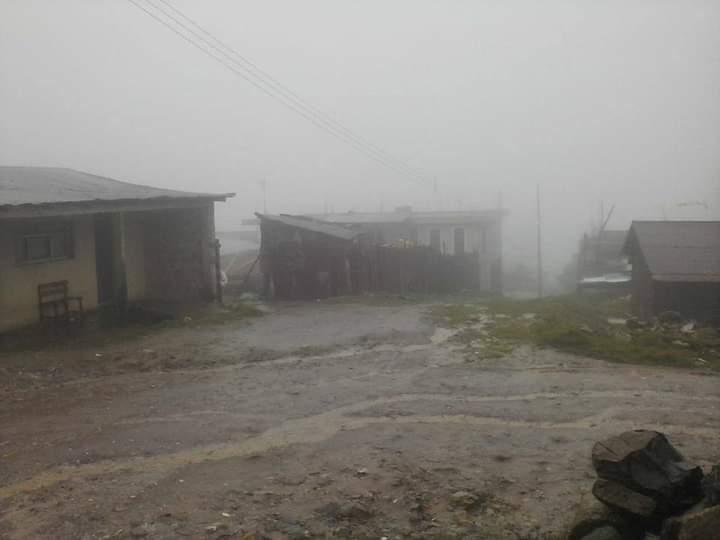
point(539, 247)
point(263, 186)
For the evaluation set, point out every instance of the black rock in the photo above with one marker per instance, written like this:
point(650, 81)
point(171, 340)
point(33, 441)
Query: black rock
point(619, 497)
point(711, 487)
point(646, 463)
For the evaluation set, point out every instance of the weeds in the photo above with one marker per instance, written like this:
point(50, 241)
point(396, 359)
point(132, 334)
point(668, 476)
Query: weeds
point(579, 325)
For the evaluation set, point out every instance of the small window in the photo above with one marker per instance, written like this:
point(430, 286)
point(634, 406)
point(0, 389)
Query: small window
point(46, 243)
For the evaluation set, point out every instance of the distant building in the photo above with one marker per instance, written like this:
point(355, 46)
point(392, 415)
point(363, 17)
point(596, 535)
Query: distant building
point(477, 233)
point(110, 241)
point(675, 267)
point(602, 263)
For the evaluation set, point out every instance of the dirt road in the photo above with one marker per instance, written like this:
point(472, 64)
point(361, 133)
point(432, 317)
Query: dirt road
point(319, 420)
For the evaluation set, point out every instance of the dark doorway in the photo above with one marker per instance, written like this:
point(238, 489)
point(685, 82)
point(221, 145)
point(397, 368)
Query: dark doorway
point(459, 239)
point(104, 262)
point(435, 239)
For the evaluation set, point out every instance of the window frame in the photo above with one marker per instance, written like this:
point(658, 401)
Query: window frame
point(60, 239)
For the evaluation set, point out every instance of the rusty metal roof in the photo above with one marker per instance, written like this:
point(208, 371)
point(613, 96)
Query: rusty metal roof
point(50, 185)
point(309, 224)
point(679, 251)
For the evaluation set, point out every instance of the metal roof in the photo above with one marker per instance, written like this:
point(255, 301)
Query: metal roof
point(680, 251)
point(358, 218)
point(309, 224)
point(50, 185)
point(369, 218)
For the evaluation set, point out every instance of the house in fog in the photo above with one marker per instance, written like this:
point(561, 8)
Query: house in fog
point(602, 263)
point(675, 267)
point(476, 234)
point(104, 240)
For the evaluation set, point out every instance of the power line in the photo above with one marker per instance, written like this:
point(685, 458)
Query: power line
point(263, 75)
point(347, 136)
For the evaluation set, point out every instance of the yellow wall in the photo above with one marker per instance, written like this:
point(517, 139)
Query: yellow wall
point(188, 231)
point(19, 281)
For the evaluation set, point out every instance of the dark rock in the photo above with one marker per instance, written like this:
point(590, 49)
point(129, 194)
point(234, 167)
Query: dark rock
point(711, 487)
point(646, 463)
point(605, 532)
point(594, 515)
point(618, 497)
point(703, 525)
point(352, 510)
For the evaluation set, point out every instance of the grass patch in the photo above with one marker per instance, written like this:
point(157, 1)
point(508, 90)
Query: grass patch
point(580, 325)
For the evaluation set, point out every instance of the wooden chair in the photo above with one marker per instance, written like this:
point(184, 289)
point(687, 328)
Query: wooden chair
point(55, 304)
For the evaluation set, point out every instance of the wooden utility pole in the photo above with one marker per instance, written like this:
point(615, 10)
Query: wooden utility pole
point(539, 246)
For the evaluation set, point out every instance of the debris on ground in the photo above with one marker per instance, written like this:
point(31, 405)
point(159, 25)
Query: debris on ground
point(646, 489)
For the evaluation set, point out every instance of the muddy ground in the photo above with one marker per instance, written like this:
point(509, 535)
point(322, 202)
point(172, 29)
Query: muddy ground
point(319, 421)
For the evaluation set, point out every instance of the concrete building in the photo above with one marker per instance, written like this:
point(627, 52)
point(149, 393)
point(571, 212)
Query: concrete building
point(451, 233)
point(111, 241)
point(675, 267)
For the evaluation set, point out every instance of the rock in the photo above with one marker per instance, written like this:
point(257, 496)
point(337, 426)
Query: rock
point(594, 515)
point(605, 532)
point(711, 487)
point(464, 499)
point(619, 497)
point(646, 463)
point(703, 525)
point(351, 510)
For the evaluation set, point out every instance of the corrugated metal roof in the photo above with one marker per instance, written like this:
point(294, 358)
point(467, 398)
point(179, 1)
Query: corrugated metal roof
point(359, 218)
point(309, 224)
point(678, 250)
point(50, 185)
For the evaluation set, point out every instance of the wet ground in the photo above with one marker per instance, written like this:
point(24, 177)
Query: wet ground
point(319, 421)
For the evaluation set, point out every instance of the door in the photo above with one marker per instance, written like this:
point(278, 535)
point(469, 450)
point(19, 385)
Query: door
point(435, 239)
point(104, 263)
point(459, 241)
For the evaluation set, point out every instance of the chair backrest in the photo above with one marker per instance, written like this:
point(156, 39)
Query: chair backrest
point(57, 290)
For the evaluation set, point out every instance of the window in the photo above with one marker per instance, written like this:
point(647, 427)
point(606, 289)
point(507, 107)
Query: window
point(45, 242)
point(435, 239)
point(459, 238)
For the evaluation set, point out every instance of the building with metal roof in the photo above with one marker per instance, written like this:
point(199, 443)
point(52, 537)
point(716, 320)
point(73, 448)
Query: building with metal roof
point(476, 232)
point(103, 240)
point(676, 267)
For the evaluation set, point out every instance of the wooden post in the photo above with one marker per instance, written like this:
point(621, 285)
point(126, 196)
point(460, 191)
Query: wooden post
point(539, 247)
point(218, 274)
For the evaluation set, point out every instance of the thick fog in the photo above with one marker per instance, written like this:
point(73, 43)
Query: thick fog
point(615, 101)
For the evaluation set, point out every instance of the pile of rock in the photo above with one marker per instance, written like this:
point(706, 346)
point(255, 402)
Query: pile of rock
point(648, 491)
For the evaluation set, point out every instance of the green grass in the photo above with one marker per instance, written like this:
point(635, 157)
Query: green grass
point(579, 325)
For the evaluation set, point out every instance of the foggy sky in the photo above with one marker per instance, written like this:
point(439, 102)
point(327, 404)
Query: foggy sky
point(614, 100)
